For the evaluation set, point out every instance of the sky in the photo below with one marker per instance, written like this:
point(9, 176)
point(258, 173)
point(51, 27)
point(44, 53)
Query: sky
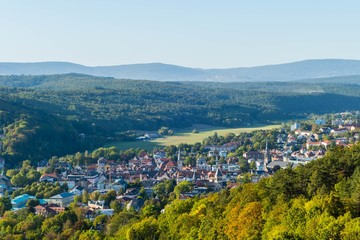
point(192, 33)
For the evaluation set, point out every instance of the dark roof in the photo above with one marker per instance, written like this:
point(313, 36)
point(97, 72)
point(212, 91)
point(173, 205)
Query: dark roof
point(218, 173)
point(80, 188)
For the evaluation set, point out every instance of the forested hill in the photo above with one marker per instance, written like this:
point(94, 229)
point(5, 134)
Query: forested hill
point(102, 108)
point(309, 69)
point(32, 133)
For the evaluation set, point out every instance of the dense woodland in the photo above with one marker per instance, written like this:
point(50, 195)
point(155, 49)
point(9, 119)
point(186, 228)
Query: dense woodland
point(319, 200)
point(43, 116)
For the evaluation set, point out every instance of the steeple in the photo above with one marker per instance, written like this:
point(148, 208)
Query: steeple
point(266, 149)
point(267, 158)
point(194, 176)
point(179, 161)
point(218, 175)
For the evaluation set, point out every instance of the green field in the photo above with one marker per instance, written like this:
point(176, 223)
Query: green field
point(186, 136)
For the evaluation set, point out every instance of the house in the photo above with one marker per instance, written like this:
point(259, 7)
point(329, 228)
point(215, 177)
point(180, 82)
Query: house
point(118, 185)
point(49, 177)
point(280, 164)
point(232, 167)
point(214, 186)
point(132, 192)
point(350, 127)
point(185, 176)
point(205, 167)
point(326, 143)
point(170, 165)
point(20, 201)
point(230, 146)
point(260, 165)
point(316, 136)
point(199, 190)
point(45, 211)
point(108, 212)
point(339, 131)
point(232, 160)
point(223, 154)
point(295, 126)
point(62, 165)
point(226, 147)
point(5, 184)
point(62, 199)
point(312, 144)
point(320, 122)
point(254, 155)
point(337, 122)
point(71, 184)
point(159, 154)
point(325, 130)
point(305, 133)
point(211, 154)
point(96, 205)
point(101, 164)
point(200, 161)
point(134, 162)
point(101, 182)
point(135, 204)
point(78, 190)
point(163, 176)
point(92, 178)
point(48, 210)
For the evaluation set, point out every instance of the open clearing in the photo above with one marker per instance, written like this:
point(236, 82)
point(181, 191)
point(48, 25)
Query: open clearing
point(186, 136)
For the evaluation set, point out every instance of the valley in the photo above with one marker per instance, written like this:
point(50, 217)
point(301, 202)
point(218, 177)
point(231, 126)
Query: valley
point(187, 136)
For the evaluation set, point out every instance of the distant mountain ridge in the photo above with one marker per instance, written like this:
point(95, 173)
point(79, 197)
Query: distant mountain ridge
point(307, 69)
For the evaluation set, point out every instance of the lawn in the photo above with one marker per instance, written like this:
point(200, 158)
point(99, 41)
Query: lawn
point(186, 136)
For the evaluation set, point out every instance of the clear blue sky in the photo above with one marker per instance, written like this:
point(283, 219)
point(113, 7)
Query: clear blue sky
point(196, 33)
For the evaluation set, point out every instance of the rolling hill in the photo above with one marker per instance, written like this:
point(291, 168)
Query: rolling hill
point(68, 106)
point(308, 69)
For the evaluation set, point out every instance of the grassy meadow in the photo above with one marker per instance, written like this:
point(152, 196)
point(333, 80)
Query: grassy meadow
point(187, 136)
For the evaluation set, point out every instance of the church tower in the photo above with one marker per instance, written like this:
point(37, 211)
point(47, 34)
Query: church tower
point(179, 161)
point(219, 176)
point(267, 155)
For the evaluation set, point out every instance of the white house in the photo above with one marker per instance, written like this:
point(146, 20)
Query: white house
point(78, 190)
point(320, 122)
point(294, 126)
point(62, 199)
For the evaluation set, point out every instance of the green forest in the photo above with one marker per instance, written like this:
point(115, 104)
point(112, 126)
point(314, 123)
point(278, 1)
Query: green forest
point(43, 116)
point(319, 200)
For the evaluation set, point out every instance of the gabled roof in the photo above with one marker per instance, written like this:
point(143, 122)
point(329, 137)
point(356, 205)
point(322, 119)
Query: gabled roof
point(79, 188)
point(52, 175)
point(62, 195)
point(218, 173)
point(171, 164)
point(120, 182)
point(102, 160)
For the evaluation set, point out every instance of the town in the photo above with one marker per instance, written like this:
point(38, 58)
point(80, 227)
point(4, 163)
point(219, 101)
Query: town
point(108, 185)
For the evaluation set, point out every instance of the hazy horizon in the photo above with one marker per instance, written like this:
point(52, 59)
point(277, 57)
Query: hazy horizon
point(194, 67)
point(201, 34)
